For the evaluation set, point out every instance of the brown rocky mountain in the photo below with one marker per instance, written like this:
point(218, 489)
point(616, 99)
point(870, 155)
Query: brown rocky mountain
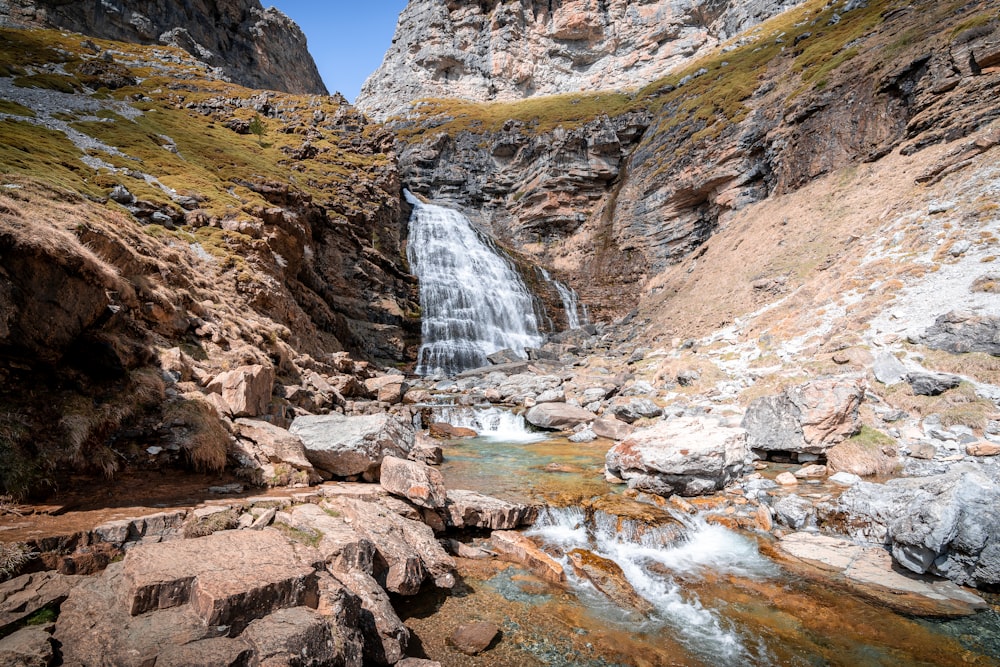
point(252, 46)
point(501, 50)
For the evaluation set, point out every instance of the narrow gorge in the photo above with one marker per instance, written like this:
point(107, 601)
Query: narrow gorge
point(620, 332)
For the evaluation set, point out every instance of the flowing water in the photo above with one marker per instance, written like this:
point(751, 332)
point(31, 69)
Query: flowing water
point(472, 300)
point(570, 301)
point(716, 598)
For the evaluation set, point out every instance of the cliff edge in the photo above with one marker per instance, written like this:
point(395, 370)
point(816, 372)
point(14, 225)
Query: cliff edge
point(252, 46)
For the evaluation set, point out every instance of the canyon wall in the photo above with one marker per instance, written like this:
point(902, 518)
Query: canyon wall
point(252, 46)
point(513, 49)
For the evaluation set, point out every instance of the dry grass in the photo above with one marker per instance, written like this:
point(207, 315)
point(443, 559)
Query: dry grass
point(213, 523)
point(201, 434)
point(956, 407)
point(13, 556)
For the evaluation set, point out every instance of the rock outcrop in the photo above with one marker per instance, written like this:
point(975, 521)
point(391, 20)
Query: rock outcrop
point(504, 50)
point(253, 46)
point(348, 446)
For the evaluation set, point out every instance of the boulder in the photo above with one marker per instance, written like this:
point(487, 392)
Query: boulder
point(868, 570)
point(558, 416)
point(468, 509)
point(22, 596)
point(209, 652)
point(387, 388)
point(516, 548)
point(888, 369)
point(946, 524)
point(809, 418)
point(688, 456)
point(506, 356)
point(474, 638)
point(246, 391)
point(932, 384)
point(296, 631)
point(385, 636)
point(982, 448)
point(864, 459)
point(963, 332)
point(612, 429)
point(795, 512)
point(348, 446)
point(417, 482)
point(636, 409)
point(277, 457)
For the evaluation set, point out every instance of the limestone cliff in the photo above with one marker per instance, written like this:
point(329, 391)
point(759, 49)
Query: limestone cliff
point(253, 46)
point(580, 184)
point(514, 49)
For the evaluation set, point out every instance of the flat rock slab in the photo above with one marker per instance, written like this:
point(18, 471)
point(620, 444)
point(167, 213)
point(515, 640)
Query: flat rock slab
point(474, 638)
point(871, 572)
point(468, 509)
point(516, 548)
point(228, 577)
point(22, 596)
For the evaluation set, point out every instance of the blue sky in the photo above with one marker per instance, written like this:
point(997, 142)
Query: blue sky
point(347, 38)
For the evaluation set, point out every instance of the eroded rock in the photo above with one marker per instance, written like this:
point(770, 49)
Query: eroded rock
point(348, 446)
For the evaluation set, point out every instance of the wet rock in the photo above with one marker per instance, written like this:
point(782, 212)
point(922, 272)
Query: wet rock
point(245, 391)
point(417, 482)
point(688, 456)
point(516, 548)
point(786, 479)
point(607, 577)
point(963, 332)
point(869, 571)
point(586, 435)
point(558, 416)
point(474, 638)
point(346, 446)
point(809, 418)
point(30, 646)
point(613, 429)
point(468, 509)
point(447, 431)
point(263, 447)
point(946, 524)
point(501, 357)
point(844, 479)
point(932, 384)
point(417, 662)
point(888, 369)
point(810, 471)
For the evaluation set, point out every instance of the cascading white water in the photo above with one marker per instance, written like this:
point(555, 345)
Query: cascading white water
point(492, 423)
point(472, 299)
point(570, 301)
point(647, 559)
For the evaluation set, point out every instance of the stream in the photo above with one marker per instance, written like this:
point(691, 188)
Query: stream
point(709, 595)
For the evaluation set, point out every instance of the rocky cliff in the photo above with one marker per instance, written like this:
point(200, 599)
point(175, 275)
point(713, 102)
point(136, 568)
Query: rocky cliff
point(514, 49)
point(613, 189)
point(252, 46)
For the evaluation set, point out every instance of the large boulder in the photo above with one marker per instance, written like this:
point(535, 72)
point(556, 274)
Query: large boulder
point(246, 391)
point(963, 332)
point(348, 446)
point(275, 456)
point(947, 524)
point(688, 456)
point(417, 482)
point(809, 418)
point(558, 416)
point(468, 509)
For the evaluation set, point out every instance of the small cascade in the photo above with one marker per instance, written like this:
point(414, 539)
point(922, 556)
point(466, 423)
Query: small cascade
point(570, 301)
point(653, 559)
point(492, 423)
point(472, 299)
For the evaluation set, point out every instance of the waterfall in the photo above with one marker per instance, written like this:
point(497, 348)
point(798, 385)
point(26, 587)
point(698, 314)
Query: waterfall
point(492, 423)
point(472, 299)
point(570, 301)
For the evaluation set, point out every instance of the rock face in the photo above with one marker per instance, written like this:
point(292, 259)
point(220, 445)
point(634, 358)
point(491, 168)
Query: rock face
point(255, 47)
point(687, 456)
point(809, 418)
point(513, 49)
point(947, 524)
point(347, 446)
